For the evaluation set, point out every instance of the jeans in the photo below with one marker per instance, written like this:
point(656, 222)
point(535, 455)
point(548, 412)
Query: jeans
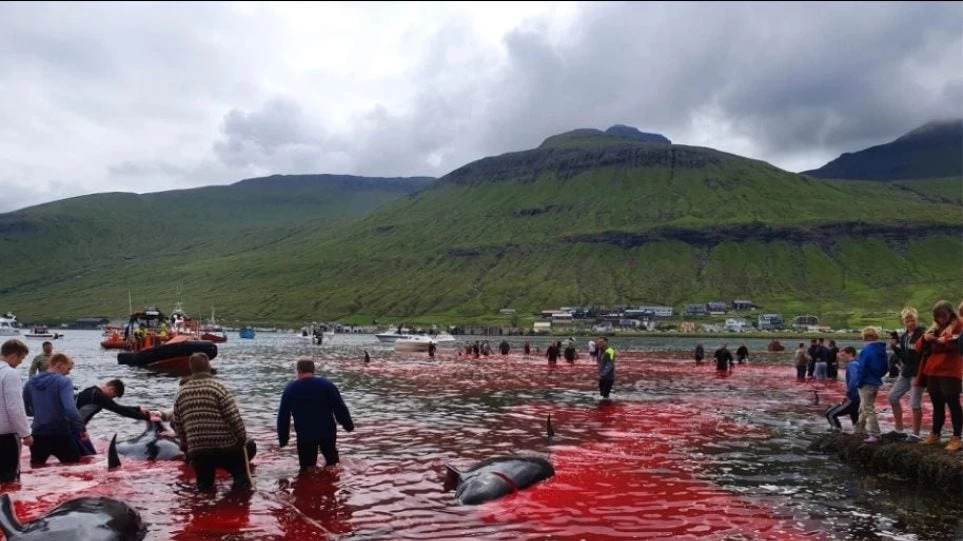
point(61, 446)
point(820, 372)
point(867, 410)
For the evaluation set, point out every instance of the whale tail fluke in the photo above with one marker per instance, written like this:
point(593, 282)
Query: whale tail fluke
point(9, 524)
point(549, 428)
point(113, 460)
point(452, 477)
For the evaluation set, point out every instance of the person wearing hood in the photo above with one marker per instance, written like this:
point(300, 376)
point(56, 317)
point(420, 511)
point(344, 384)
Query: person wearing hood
point(850, 404)
point(873, 365)
point(49, 397)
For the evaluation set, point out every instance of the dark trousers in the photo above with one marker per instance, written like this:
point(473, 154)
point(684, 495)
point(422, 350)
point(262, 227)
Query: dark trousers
point(62, 446)
point(801, 372)
point(832, 370)
point(847, 407)
point(9, 458)
point(605, 387)
point(945, 393)
point(308, 452)
point(233, 460)
point(810, 368)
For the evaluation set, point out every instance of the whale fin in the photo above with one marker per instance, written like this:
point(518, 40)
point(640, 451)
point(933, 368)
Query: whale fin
point(9, 524)
point(452, 477)
point(548, 426)
point(113, 460)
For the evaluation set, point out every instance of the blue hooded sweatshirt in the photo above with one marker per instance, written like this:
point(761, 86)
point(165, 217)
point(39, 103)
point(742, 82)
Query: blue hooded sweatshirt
point(852, 377)
point(49, 397)
point(873, 364)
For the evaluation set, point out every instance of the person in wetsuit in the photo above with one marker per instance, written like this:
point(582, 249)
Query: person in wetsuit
point(700, 354)
point(504, 347)
point(552, 353)
point(723, 359)
point(93, 399)
point(742, 354)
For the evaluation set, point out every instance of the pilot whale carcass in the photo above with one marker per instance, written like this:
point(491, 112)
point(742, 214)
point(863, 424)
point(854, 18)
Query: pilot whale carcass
point(90, 519)
point(496, 477)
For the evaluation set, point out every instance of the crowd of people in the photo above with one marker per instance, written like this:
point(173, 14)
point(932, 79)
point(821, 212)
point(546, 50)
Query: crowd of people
point(919, 361)
point(205, 417)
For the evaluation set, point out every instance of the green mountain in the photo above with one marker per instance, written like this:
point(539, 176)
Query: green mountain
point(934, 150)
point(587, 218)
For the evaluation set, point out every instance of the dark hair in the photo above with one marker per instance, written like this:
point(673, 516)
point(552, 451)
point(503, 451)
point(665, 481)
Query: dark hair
point(802, 345)
point(945, 308)
point(118, 387)
point(813, 342)
point(832, 343)
point(850, 350)
point(200, 363)
point(305, 367)
point(46, 343)
point(14, 347)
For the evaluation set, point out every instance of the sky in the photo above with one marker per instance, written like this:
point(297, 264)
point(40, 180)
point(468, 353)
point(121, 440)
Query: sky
point(144, 97)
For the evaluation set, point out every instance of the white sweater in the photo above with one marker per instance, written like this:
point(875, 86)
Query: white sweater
point(13, 418)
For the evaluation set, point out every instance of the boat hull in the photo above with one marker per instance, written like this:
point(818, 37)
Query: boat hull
point(113, 344)
point(216, 338)
point(168, 358)
point(48, 335)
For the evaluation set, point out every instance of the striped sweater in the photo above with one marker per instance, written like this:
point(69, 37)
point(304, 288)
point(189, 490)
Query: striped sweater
point(206, 417)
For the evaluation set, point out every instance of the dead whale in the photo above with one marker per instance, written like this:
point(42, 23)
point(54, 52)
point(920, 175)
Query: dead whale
point(90, 519)
point(151, 445)
point(496, 477)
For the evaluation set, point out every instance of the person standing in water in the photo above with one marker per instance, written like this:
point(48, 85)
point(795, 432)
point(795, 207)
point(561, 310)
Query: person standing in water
point(700, 354)
point(316, 404)
point(42, 361)
point(367, 357)
point(431, 349)
point(742, 354)
point(528, 347)
point(552, 353)
point(723, 359)
point(802, 361)
point(49, 396)
point(606, 364)
point(14, 425)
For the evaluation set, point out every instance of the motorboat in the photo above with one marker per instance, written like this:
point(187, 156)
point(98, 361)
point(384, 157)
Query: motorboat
point(41, 331)
point(405, 334)
point(152, 346)
point(8, 325)
point(212, 332)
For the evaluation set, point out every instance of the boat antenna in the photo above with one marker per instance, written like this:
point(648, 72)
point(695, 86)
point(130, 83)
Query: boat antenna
point(130, 303)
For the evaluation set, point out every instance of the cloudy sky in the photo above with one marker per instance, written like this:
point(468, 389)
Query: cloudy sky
point(146, 97)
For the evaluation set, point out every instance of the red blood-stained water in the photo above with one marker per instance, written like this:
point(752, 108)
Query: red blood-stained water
point(640, 466)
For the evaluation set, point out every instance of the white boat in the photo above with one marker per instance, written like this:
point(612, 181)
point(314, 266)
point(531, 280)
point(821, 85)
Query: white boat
point(405, 334)
point(8, 324)
point(42, 332)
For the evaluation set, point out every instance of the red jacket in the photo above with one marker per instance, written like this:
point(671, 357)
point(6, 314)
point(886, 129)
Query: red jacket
point(945, 360)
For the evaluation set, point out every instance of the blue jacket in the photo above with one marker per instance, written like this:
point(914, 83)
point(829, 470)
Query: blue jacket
point(49, 397)
point(852, 377)
point(315, 403)
point(873, 364)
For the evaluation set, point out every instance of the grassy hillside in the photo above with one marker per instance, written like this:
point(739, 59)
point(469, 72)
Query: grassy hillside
point(594, 220)
point(934, 150)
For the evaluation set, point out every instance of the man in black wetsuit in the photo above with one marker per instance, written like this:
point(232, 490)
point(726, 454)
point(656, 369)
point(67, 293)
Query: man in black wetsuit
point(93, 399)
point(742, 354)
point(723, 359)
point(552, 353)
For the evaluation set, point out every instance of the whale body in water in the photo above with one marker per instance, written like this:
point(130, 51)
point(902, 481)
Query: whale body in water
point(496, 477)
point(150, 445)
point(89, 519)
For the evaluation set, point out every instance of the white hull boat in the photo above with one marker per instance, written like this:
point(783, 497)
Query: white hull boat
point(7, 322)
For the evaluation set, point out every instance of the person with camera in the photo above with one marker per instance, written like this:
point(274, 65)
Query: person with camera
point(907, 366)
point(942, 372)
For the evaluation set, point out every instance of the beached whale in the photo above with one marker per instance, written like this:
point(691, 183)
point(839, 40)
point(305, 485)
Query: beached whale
point(496, 477)
point(90, 519)
point(150, 445)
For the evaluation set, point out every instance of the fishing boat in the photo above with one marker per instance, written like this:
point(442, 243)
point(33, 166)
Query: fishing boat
point(247, 333)
point(153, 346)
point(8, 324)
point(41, 331)
point(213, 332)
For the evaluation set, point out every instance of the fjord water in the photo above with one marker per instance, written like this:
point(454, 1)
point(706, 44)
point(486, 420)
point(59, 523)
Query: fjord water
point(679, 453)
